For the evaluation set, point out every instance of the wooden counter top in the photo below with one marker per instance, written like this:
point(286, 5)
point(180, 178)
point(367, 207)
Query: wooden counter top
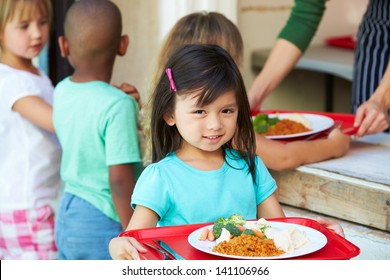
point(355, 187)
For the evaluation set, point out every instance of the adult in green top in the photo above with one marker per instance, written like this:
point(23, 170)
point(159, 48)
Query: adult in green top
point(371, 81)
point(303, 22)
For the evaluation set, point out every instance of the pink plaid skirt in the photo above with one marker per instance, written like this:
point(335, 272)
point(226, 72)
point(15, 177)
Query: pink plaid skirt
point(27, 234)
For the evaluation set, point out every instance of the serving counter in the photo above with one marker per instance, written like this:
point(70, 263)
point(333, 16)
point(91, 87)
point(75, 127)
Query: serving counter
point(355, 187)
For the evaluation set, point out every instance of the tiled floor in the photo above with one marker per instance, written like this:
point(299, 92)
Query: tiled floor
point(374, 244)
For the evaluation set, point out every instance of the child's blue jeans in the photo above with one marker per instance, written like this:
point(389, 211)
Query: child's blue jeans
point(82, 232)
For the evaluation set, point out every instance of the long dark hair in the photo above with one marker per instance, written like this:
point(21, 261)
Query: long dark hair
point(210, 71)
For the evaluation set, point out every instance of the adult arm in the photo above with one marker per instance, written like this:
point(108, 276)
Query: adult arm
point(372, 115)
point(289, 47)
point(282, 58)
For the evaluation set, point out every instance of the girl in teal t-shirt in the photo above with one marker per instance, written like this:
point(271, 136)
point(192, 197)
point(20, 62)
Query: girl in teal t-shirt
point(203, 150)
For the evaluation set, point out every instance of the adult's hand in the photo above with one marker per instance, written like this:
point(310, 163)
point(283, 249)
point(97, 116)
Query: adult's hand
point(372, 117)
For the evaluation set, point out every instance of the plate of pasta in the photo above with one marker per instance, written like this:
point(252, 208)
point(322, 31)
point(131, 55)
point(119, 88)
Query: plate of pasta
point(290, 125)
point(258, 240)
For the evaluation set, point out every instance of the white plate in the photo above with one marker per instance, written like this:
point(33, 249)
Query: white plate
point(317, 240)
point(318, 123)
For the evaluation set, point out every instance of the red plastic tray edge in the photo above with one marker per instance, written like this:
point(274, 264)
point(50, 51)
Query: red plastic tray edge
point(337, 248)
point(347, 42)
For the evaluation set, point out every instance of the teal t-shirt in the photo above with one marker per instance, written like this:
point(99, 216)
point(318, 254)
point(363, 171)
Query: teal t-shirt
point(181, 194)
point(97, 126)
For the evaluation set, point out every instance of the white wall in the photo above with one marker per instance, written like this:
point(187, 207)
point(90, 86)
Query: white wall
point(140, 23)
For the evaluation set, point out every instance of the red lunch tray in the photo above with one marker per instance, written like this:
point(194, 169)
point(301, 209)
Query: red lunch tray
point(347, 121)
point(346, 42)
point(337, 247)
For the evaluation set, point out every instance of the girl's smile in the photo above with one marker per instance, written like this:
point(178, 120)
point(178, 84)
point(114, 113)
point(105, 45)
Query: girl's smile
point(213, 139)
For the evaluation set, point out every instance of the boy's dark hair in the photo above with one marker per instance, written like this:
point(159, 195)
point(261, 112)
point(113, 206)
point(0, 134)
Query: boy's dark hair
point(93, 29)
point(209, 70)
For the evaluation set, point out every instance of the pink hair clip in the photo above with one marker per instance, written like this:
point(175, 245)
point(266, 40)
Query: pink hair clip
point(170, 77)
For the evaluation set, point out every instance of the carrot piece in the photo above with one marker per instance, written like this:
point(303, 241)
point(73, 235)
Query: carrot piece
point(204, 234)
point(258, 233)
point(240, 227)
point(211, 236)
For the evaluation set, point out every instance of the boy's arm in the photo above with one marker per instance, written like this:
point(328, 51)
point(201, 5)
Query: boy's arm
point(36, 110)
point(280, 156)
point(122, 182)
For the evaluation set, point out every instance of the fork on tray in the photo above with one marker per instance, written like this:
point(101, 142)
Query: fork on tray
point(165, 254)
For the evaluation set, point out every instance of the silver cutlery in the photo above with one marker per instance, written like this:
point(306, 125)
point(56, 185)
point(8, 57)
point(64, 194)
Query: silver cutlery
point(165, 246)
point(165, 253)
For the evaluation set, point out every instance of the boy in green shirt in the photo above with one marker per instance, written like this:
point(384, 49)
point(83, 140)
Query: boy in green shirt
point(96, 124)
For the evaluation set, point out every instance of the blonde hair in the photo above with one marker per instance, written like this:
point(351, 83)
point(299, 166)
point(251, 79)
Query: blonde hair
point(9, 9)
point(195, 28)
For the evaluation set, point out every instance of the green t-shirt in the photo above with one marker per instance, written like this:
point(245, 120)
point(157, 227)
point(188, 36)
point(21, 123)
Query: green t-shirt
point(97, 126)
point(303, 22)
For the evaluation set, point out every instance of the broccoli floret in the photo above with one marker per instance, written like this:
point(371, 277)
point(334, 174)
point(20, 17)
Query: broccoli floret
point(248, 232)
point(236, 219)
point(217, 229)
point(273, 121)
point(235, 231)
point(262, 122)
point(233, 220)
point(221, 221)
point(218, 225)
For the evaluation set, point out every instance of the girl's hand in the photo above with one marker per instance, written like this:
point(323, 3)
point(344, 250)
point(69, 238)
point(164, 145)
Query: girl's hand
point(125, 248)
point(333, 226)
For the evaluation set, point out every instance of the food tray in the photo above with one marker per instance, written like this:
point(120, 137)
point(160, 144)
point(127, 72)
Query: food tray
point(337, 247)
point(347, 121)
point(346, 42)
